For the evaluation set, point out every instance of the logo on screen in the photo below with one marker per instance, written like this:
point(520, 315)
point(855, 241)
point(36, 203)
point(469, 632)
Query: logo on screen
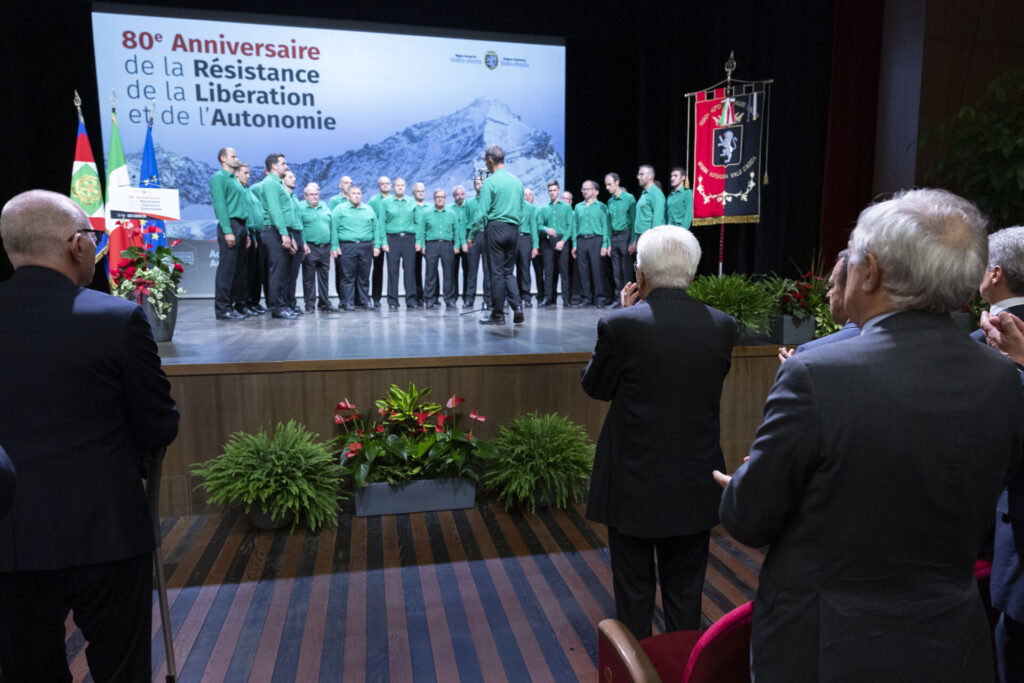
point(491, 60)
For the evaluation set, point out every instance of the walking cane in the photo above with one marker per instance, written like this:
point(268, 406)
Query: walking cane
point(152, 464)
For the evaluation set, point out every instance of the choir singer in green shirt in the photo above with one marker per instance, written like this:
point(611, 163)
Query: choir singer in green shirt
point(592, 240)
point(442, 236)
point(315, 217)
point(680, 200)
point(650, 208)
point(622, 213)
point(501, 205)
point(231, 209)
point(357, 240)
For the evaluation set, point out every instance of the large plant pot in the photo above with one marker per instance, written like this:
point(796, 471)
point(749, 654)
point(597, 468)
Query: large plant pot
point(415, 496)
point(261, 519)
point(163, 330)
point(785, 329)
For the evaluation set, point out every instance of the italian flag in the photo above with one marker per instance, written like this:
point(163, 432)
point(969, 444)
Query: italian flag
point(86, 190)
point(117, 176)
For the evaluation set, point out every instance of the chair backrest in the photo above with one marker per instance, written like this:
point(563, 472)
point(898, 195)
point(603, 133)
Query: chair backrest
point(722, 654)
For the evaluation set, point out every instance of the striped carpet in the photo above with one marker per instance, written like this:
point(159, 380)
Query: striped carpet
point(472, 595)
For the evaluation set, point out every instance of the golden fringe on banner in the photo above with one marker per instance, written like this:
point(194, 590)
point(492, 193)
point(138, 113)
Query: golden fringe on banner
point(719, 220)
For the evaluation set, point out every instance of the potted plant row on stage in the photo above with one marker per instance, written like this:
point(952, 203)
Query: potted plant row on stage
point(411, 455)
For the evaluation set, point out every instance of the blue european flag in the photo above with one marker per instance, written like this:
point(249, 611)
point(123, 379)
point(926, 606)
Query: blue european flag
point(149, 176)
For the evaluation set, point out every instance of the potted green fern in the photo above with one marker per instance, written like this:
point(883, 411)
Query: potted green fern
point(539, 460)
point(738, 295)
point(276, 479)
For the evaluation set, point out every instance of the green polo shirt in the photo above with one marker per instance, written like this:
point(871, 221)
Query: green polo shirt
point(335, 200)
point(316, 223)
point(592, 219)
point(254, 218)
point(375, 203)
point(441, 224)
point(228, 197)
point(650, 211)
point(396, 215)
point(474, 219)
point(460, 217)
point(501, 198)
point(529, 224)
point(277, 203)
point(296, 223)
point(622, 211)
point(355, 224)
point(556, 215)
point(680, 208)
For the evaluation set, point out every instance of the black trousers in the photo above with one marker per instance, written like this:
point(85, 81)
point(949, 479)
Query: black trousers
point(460, 264)
point(256, 266)
point(501, 244)
point(565, 263)
point(682, 562)
point(477, 252)
point(621, 261)
point(590, 270)
point(549, 267)
point(296, 266)
point(316, 268)
point(538, 270)
point(524, 252)
point(355, 258)
point(401, 254)
point(378, 277)
point(230, 278)
point(443, 251)
point(279, 266)
point(113, 605)
point(418, 273)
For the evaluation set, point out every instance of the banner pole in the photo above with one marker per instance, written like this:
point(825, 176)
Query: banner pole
point(721, 248)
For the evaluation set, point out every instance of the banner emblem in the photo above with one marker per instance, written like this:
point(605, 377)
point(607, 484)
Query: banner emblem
point(491, 60)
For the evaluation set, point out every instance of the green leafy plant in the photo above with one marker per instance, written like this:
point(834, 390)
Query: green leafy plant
point(790, 297)
point(738, 295)
point(414, 439)
point(151, 273)
point(980, 154)
point(290, 474)
point(539, 455)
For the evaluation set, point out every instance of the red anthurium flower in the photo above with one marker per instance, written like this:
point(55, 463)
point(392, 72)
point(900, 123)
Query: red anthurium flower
point(144, 290)
point(175, 243)
point(360, 432)
point(357, 416)
point(469, 436)
point(421, 417)
point(379, 429)
point(344, 405)
point(454, 401)
point(477, 416)
point(441, 419)
point(178, 267)
point(338, 419)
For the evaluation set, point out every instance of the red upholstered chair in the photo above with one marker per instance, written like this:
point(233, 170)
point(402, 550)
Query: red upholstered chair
point(720, 654)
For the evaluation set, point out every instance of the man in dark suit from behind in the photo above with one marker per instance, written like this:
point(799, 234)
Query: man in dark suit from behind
point(1003, 284)
point(836, 309)
point(83, 393)
point(661, 362)
point(875, 473)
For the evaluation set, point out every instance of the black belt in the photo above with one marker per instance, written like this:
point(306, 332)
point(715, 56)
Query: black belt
point(317, 244)
point(355, 241)
point(583, 237)
point(401, 234)
point(440, 240)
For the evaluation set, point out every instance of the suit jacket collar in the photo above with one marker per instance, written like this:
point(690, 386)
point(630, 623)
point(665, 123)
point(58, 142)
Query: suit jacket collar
point(666, 294)
point(41, 276)
point(911, 319)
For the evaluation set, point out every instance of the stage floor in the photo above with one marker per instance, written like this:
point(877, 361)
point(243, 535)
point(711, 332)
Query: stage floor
point(199, 338)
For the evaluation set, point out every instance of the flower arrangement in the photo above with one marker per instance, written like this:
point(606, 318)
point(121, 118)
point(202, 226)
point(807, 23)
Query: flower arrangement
point(149, 272)
point(795, 298)
point(413, 439)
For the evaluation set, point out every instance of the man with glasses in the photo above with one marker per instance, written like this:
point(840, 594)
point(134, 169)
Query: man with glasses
point(316, 230)
point(650, 208)
point(83, 396)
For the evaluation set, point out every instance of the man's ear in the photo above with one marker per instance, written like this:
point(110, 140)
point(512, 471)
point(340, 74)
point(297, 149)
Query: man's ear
point(871, 272)
point(997, 276)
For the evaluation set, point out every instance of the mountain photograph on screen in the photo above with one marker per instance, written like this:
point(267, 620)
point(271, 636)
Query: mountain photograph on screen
point(440, 153)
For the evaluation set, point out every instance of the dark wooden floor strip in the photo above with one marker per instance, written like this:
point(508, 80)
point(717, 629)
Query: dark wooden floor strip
point(483, 594)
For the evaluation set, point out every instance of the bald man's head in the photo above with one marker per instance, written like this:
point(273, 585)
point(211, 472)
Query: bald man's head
point(40, 228)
